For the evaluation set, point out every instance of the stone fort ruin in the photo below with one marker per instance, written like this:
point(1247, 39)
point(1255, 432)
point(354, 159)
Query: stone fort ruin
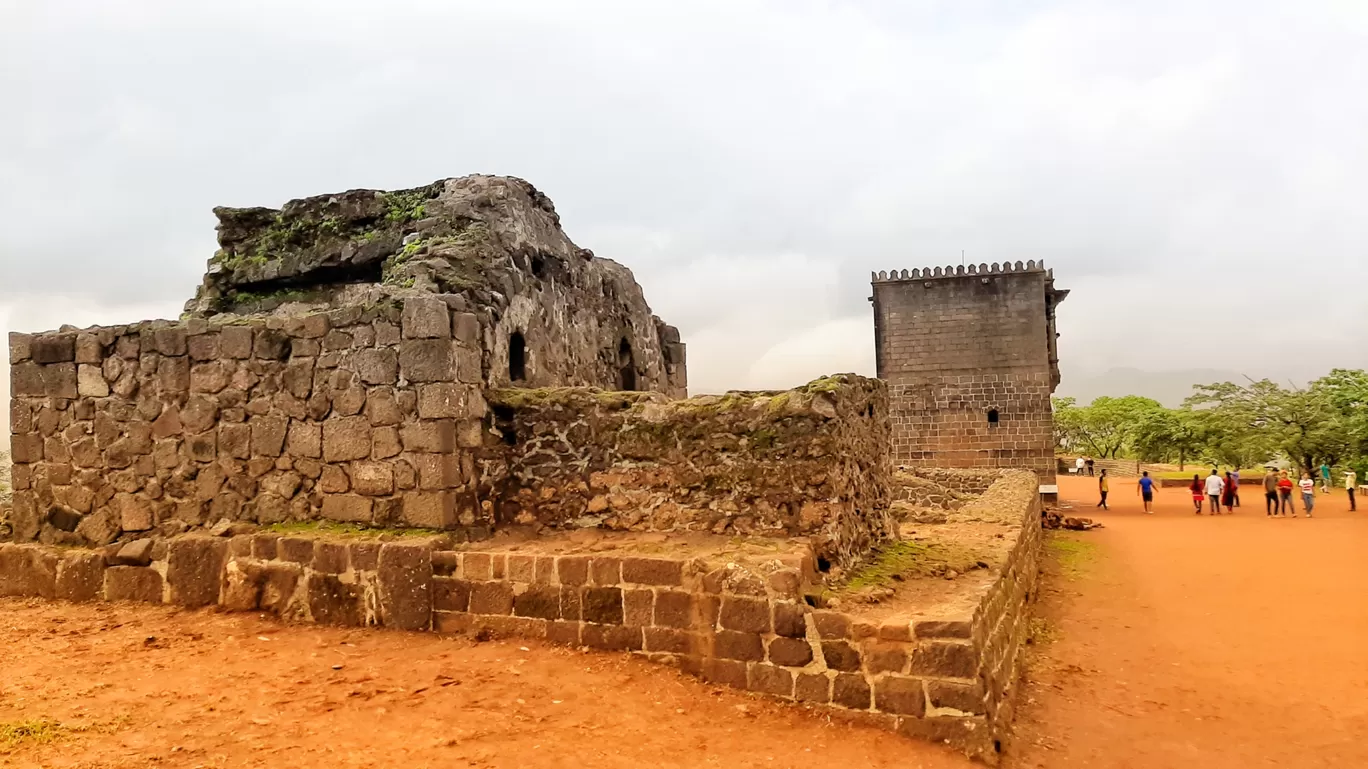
point(430, 410)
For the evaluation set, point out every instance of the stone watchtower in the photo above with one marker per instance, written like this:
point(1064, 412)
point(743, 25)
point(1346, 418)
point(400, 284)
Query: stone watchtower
point(970, 359)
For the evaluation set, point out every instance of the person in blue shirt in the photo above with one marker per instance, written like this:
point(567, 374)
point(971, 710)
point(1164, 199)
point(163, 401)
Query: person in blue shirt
point(1146, 489)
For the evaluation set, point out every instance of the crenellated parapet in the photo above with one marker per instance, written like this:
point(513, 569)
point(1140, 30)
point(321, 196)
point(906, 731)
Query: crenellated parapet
point(960, 270)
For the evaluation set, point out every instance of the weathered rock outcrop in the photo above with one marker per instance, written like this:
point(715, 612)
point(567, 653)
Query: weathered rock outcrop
point(551, 313)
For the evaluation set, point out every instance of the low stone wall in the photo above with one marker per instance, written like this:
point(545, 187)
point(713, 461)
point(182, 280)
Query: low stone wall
point(961, 481)
point(951, 678)
point(810, 461)
point(367, 416)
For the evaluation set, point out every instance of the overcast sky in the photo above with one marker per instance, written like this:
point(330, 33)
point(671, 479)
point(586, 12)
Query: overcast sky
point(1195, 172)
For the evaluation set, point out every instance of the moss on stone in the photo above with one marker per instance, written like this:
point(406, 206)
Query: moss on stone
point(346, 530)
point(909, 559)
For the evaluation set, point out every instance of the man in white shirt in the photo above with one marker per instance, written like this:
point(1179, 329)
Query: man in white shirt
point(1214, 486)
point(1079, 464)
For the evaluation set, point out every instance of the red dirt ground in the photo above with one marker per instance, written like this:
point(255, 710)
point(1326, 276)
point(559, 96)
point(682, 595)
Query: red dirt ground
point(1182, 641)
point(1193, 641)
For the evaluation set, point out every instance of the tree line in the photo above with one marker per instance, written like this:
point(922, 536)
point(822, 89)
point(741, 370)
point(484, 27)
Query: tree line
point(1229, 424)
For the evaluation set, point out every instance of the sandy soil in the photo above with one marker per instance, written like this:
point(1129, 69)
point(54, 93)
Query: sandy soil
point(212, 690)
point(1181, 641)
point(1185, 640)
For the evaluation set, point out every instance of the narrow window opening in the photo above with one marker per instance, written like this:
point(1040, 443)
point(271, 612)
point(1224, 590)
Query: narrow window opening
point(992, 416)
point(504, 423)
point(517, 357)
point(538, 266)
point(627, 379)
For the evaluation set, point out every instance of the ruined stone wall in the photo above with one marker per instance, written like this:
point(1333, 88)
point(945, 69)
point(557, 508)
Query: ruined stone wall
point(811, 461)
point(945, 677)
point(969, 356)
point(363, 415)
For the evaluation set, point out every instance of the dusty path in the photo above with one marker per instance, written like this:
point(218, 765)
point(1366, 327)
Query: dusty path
point(1234, 642)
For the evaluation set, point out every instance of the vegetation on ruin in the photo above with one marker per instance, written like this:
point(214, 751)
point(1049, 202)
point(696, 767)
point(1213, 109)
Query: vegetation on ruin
point(346, 530)
point(407, 205)
point(248, 299)
point(910, 559)
point(1229, 424)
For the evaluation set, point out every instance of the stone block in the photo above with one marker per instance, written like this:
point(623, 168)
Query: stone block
point(53, 348)
point(674, 608)
point(895, 630)
point(365, 556)
point(944, 659)
point(132, 583)
point(265, 546)
point(377, 366)
point(346, 438)
point(851, 691)
point(449, 594)
point(944, 629)
point(334, 602)
point(605, 571)
point(135, 512)
point(432, 436)
point(429, 509)
point(790, 620)
point(466, 329)
point(491, 598)
point(437, 471)
point(572, 569)
point(202, 347)
point(653, 571)
point(329, 557)
point(20, 347)
point(194, 570)
point(747, 615)
point(731, 645)
point(295, 549)
point(966, 698)
point(268, 435)
point(270, 344)
point(521, 568)
point(885, 658)
point(405, 585)
point(27, 571)
point(725, 672)
point(427, 360)
point(813, 687)
point(563, 633)
point(790, 652)
point(768, 679)
point(603, 605)
point(899, 695)
point(90, 382)
point(279, 584)
point(80, 576)
point(347, 508)
point(59, 381)
point(638, 607)
point(372, 479)
point(671, 641)
point(385, 443)
point(831, 625)
point(426, 318)
point(572, 603)
point(612, 638)
point(538, 601)
point(449, 401)
point(840, 655)
point(27, 449)
point(477, 566)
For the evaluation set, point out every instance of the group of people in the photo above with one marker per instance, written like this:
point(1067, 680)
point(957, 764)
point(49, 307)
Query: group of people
point(1216, 492)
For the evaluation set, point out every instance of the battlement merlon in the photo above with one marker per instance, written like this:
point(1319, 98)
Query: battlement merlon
point(960, 271)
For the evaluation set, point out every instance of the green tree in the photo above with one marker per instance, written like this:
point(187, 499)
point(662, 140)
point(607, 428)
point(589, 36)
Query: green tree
point(1106, 426)
point(1164, 435)
point(1303, 424)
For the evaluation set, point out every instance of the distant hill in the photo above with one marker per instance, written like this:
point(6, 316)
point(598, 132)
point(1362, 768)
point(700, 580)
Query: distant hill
point(1167, 387)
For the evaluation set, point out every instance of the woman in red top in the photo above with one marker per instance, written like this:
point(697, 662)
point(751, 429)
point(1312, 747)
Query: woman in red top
point(1198, 493)
point(1285, 495)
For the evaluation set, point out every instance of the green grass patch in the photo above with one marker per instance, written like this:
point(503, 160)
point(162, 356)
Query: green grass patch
point(16, 734)
point(1039, 632)
point(345, 530)
point(910, 559)
point(1072, 554)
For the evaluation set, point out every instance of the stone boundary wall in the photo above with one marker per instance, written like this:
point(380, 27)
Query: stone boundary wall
point(809, 462)
point(361, 415)
point(951, 679)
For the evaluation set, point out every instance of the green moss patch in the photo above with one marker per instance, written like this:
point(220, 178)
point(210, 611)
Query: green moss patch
point(17, 734)
point(1073, 555)
point(910, 559)
point(345, 530)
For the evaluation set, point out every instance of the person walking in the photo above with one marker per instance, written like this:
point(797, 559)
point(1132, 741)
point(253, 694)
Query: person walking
point(1234, 476)
point(1197, 490)
point(1228, 493)
point(1325, 478)
point(1145, 488)
point(1102, 488)
point(1270, 485)
point(1351, 483)
point(1285, 495)
point(1308, 492)
point(1214, 487)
